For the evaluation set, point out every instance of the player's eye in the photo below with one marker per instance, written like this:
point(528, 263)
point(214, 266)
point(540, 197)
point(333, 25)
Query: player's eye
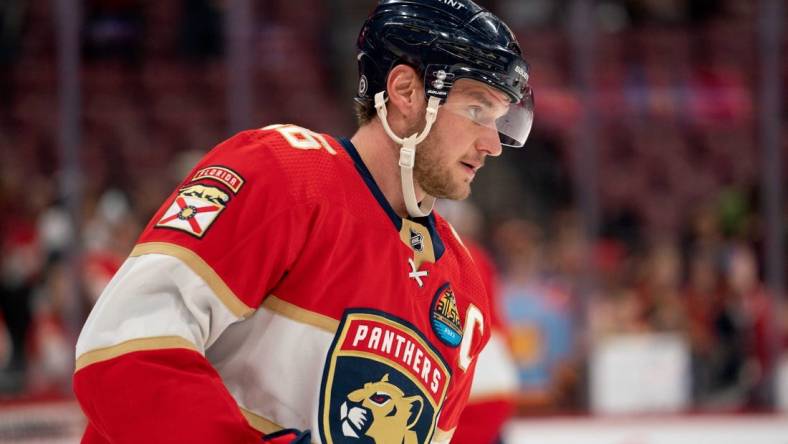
point(474, 112)
point(481, 115)
point(379, 398)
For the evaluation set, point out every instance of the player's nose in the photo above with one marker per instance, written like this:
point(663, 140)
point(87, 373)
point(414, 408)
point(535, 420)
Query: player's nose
point(489, 142)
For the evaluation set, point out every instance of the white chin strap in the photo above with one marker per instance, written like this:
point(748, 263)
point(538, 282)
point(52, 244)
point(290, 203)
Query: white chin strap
point(407, 154)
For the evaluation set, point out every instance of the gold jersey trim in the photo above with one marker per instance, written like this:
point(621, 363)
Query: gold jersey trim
point(417, 237)
point(301, 315)
point(259, 423)
point(202, 269)
point(133, 345)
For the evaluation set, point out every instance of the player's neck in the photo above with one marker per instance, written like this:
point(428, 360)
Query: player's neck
point(381, 156)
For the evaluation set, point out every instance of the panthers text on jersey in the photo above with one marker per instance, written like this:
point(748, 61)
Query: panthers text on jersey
point(277, 288)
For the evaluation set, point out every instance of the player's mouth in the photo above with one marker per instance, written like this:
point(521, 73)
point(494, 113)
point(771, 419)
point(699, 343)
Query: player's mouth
point(471, 168)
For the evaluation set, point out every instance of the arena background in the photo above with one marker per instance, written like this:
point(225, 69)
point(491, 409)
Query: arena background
point(640, 234)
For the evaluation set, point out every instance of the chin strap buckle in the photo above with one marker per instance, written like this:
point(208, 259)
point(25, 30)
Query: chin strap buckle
point(407, 154)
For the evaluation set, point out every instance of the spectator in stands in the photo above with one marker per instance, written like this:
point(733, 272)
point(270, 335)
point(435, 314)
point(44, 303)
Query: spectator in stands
point(749, 307)
point(538, 306)
point(702, 297)
point(659, 298)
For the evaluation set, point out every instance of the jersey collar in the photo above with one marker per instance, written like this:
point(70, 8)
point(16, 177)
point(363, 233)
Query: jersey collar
point(362, 169)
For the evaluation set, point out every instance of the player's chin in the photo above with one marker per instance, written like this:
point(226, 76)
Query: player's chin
point(448, 187)
point(461, 190)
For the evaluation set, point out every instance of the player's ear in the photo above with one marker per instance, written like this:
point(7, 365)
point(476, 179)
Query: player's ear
point(405, 91)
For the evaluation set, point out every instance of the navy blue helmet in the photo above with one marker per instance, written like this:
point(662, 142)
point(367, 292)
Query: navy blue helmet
point(446, 40)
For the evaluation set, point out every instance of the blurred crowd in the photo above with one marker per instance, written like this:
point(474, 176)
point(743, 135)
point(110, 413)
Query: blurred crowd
point(680, 236)
point(701, 285)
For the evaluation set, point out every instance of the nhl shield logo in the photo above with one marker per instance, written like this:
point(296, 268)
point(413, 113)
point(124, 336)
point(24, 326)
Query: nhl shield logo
point(194, 210)
point(416, 240)
point(383, 383)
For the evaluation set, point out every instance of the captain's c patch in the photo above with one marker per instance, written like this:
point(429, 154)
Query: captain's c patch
point(194, 209)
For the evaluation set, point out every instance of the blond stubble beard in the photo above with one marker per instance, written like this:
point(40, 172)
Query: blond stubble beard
point(430, 170)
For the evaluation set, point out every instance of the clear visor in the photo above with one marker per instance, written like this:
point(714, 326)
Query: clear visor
point(491, 108)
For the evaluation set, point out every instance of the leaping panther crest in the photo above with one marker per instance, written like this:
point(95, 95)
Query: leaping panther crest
point(381, 411)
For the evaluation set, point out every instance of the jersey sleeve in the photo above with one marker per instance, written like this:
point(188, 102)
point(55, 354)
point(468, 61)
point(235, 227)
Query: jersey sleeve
point(217, 246)
point(235, 219)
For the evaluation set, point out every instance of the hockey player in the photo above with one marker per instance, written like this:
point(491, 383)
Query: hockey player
point(297, 286)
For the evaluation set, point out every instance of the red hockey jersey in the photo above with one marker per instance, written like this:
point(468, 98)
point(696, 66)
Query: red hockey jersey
point(277, 288)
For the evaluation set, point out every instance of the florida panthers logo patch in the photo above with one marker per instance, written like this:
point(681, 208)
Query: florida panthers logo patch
point(383, 383)
point(194, 209)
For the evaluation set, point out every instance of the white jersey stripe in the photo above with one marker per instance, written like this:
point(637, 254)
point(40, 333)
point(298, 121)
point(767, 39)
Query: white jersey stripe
point(282, 385)
point(202, 269)
point(154, 296)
